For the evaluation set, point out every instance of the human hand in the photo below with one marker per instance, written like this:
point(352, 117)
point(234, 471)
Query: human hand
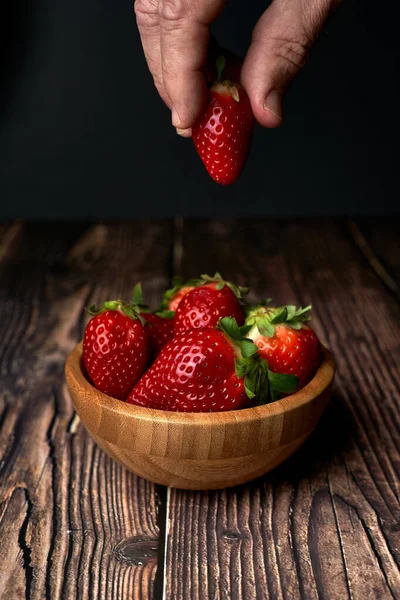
point(175, 37)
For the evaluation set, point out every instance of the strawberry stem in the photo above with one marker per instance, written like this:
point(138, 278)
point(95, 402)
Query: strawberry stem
point(178, 283)
point(238, 290)
point(265, 318)
point(130, 310)
point(137, 295)
point(112, 305)
point(220, 65)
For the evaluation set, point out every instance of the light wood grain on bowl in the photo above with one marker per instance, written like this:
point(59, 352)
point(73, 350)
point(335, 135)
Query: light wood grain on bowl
point(199, 450)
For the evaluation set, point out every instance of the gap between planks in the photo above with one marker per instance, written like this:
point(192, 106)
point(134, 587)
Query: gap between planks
point(330, 503)
point(9, 238)
point(361, 242)
point(163, 493)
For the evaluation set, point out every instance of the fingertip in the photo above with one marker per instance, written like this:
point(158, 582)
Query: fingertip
point(188, 102)
point(272, 113)
point(267, 120)
point(266, 107)
point(185, 133)
point(265, 98)
point(183, 125)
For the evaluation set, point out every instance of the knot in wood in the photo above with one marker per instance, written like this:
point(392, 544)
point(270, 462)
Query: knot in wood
point(136, 550)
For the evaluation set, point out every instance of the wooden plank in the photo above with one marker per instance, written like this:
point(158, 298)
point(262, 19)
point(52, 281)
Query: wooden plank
point(9, 233)
point(326, 523)
point(73, 524)
point(378, 241)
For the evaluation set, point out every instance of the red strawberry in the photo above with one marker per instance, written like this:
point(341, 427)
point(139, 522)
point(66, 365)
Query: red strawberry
point(161, 329)
point(173, 304)
point(205, 370)
point(115, 348)
point(223, 135)
point(174, 295)
point(206, 304)
point(285, 341)
point(161, 324)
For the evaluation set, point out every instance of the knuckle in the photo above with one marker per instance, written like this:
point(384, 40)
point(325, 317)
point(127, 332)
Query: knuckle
point(146, 12)
point(293, 51)
point(172, 10)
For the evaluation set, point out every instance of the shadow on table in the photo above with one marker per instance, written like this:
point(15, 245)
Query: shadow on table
point(330, 438)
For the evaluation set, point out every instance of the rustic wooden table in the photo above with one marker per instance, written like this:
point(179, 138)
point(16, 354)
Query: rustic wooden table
point(73, 524)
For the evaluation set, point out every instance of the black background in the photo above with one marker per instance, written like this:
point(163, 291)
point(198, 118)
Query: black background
point(83, 133)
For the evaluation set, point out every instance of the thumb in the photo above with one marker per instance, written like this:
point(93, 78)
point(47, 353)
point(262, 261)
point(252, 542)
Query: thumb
point(280, 44)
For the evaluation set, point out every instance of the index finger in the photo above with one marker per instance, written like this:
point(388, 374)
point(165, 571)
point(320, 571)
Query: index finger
point(184, 46)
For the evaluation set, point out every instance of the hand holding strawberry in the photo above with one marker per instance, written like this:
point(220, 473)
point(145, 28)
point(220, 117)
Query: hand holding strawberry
point(176, 43)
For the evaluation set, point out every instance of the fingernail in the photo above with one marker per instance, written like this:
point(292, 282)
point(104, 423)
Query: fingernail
point(184, 132)
point(176, 121)
point(273, 103)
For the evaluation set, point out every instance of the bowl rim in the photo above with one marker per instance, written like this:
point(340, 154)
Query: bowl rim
point(77, 379)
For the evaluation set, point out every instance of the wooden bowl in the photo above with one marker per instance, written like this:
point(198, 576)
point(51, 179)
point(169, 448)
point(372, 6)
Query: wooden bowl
point(199, 450)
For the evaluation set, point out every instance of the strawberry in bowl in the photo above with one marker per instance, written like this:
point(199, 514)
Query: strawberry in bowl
point(174, 295)
point(207, 406)
point(209, 301)
point(209, 369)
point(284, 339)
point(160, 323)
point(135, 354)
point(115, 347)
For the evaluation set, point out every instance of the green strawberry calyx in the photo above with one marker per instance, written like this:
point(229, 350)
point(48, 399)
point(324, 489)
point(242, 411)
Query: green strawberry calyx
point(232, 88)
point(165, 314)
point(266, 318)
point(137, 300)
point(131, 309)
point(259, 381)
point(178, 283)
point(239, 290)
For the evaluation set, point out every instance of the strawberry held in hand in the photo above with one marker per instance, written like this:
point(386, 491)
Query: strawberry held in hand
point(206, 304)
point(203, 370)
point(223, 136)
point(285, 341)
point(115, 348)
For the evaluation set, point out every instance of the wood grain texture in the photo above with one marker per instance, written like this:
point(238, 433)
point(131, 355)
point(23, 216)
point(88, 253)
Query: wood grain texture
point(201, 450)
point(326, 523)
point(73, 524)
point(378, 241)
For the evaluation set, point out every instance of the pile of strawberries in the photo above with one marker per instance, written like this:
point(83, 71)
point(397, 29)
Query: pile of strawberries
point(204, 350)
